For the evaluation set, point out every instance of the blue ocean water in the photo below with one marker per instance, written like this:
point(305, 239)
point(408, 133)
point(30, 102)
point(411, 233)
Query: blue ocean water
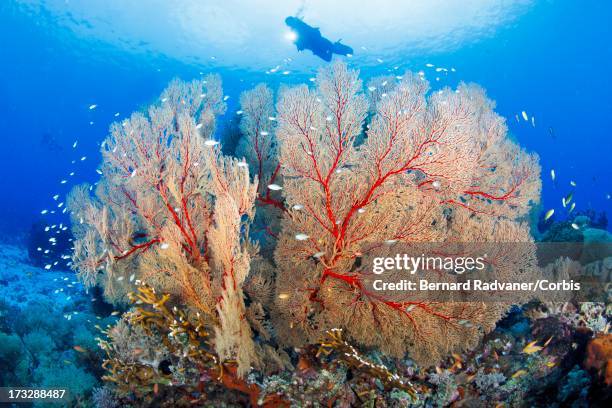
point(68, 69)
point(553, 61)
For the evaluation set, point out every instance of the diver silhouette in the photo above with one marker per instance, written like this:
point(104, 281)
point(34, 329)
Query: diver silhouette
point(310, 38)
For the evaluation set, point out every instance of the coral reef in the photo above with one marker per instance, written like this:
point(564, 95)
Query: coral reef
point(156, 344)
point(429, 168)
point(349, 356)
point(258, 146)
point(157, 349)
point(172, 211)
point(104, 397)
point(244, 279)
point(158, 355)
point(46, 329)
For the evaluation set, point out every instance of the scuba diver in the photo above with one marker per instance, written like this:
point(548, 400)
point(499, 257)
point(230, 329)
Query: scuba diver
point(310, 38)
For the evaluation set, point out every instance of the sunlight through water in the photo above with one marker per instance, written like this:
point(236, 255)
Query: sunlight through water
point(232, 33)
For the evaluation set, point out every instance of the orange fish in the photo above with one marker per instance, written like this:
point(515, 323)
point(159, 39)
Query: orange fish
point(532, 348)
point(80, 349)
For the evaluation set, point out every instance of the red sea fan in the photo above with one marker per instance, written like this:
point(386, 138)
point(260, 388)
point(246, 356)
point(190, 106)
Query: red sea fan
point(429, 168)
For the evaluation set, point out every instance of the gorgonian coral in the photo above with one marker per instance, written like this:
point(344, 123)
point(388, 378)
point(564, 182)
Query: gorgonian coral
point(335, 178)
point(172, 211)
point(429, 168)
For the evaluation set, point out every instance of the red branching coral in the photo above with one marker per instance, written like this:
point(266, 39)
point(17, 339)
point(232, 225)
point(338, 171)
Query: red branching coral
point(337, 178)
point(258, 144)
point(172, 211)
point(429, 168)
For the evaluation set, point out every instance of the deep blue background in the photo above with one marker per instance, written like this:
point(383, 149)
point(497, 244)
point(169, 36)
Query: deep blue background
point(555, 62)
